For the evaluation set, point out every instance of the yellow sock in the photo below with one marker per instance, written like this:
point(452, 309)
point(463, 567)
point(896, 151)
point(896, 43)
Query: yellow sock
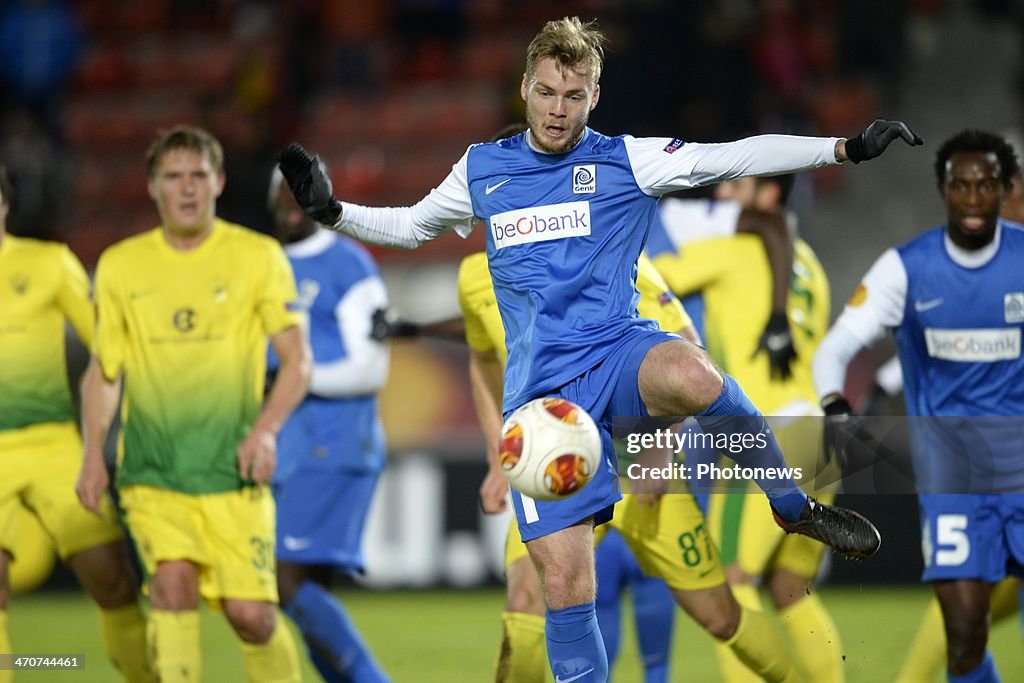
point(1004, 599)
point(761, 648)
point(5, 647)
point(124, 639)
point(927, 654)
point(275, 661)
point(815, 640)
point(524, 652)
point(174, 646)
point(729, 665)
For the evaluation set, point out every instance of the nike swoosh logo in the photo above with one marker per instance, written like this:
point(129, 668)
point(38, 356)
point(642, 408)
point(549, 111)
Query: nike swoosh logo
point(573, 678)
point(922, 306)
point(296, 544)
point(491, 188)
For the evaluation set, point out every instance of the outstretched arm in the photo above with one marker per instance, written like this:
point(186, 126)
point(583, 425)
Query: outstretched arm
point(447, 206)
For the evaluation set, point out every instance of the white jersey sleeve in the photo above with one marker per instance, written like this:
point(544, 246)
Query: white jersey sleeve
point(364, 369)
point(659, 170)
point(876, 306)
point(691, 220)
point(448, 206)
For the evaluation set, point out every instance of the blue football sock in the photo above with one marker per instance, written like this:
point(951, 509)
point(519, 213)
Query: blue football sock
point(984, 673)
point(654, 608)
point(611, 580)
point(326, 627)
point(734, 418)
point(575, 648)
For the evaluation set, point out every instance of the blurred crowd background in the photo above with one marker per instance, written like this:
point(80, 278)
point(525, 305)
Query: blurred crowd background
point(390, 93)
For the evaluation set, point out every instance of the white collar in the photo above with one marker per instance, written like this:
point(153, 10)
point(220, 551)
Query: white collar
point(314, 245)
point(975, 258)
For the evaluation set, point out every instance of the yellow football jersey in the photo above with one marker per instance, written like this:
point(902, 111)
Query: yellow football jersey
point(734, 276)
point(41, 285)
point(189, 332)
point(484, 330)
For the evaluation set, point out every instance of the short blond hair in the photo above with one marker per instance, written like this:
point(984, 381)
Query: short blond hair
point(571, 43)
point(185, 137)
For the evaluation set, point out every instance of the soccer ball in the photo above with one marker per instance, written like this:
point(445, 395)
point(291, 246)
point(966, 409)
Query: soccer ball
point(550, 448)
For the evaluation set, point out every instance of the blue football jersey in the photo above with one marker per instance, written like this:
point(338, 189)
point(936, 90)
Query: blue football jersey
point(337, 427)
point(563, 239)
point(960, 348)
point(960, 340)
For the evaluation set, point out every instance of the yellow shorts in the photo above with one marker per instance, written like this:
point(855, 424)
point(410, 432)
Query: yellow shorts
point(230, 536)
point(40, 466)
point(670, 540)
point(742, 525)
point(36, 554)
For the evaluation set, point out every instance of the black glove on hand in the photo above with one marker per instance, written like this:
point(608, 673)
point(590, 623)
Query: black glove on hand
point(385, 326)
point(307, 177)
point(777, 342)
point(838, 429)
point(873, 141)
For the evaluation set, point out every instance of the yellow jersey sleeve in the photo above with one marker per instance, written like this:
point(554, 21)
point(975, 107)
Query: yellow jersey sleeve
point(277, 307)
point(657, 302)
point(110, 342)
point(484, 329)
point(73, 296)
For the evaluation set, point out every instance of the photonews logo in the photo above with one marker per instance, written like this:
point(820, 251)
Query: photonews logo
point(973, 346)
point(540, 224)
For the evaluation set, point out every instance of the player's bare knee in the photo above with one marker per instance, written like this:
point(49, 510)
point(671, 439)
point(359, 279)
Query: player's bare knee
point(175, 586)
point(966, 641)
point(737, 577)
point(701, 381)
point(567, 589)
point(103, 572)
point(254, 622)
point(715, 609)
point(524, 596)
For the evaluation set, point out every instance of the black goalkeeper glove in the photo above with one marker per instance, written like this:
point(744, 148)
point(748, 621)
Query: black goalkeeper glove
point(386, 326)
point(777, 342)
point(307, 177)
point(873, 141)
point(839, 429)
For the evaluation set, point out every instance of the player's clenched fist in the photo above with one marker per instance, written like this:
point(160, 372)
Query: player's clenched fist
point(307, 177)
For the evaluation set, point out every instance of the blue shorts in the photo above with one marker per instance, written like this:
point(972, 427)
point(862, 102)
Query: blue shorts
point(321, 516)
point(972, 536)
point(605, 391)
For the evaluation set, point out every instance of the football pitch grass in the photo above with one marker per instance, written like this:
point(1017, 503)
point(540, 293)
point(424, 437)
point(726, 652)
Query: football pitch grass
point(442, 636)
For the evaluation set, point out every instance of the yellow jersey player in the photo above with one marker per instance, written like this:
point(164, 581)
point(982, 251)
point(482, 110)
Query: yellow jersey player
point(42, 284)
point(184, 313)
point(733, 277)
point(653, 530)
